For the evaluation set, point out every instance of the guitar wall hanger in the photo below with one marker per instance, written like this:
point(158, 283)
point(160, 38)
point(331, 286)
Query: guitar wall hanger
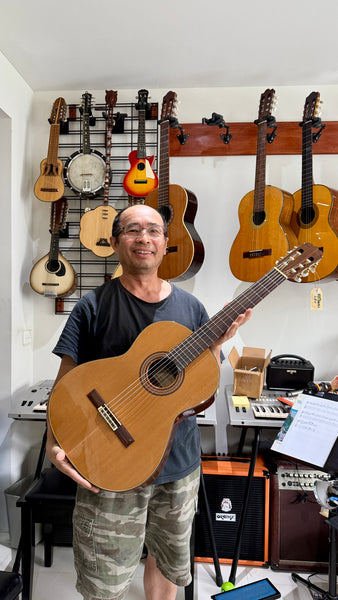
point(182, 138)
point(271, 123)
point(218, 120)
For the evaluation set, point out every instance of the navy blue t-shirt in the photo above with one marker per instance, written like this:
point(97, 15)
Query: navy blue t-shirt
point(106, 321)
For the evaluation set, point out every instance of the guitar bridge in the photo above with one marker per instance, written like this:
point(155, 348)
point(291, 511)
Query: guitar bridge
point(257, 253)
point(111, 419)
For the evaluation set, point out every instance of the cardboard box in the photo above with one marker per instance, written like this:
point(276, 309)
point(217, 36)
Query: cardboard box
point(249, 370)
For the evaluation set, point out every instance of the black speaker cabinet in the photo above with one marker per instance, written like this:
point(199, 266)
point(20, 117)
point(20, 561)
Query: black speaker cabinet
point(298, 532)
point(225, 481)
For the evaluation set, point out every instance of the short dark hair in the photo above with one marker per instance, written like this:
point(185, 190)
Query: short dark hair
point(116, 229)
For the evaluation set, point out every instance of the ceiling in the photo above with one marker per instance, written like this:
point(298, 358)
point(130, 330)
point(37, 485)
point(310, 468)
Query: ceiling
point(77, 44)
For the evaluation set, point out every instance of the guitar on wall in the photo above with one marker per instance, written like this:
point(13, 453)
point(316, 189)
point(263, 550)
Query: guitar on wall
point(129, 406)
point(315, 215)
point(96, 225)
point(85, 169)
point(140, 179)
point(264, 214)
point(178, 206)
point(49, 186)
point(53, 276)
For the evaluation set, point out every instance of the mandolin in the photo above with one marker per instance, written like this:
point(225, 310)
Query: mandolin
point(96, 225)
point(140, 179)
point(315, 215)
point(49, 186)
point(115, 418)
point(264, 214)
point(53, 276)
point(178, 206)
point(85, 169)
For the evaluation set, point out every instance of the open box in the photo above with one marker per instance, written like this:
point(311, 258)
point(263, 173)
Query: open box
point(249, 370)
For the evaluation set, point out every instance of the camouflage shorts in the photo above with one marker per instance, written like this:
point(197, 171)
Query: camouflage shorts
point(110, 530)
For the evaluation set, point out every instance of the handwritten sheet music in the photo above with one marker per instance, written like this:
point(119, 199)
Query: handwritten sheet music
point(310, 430)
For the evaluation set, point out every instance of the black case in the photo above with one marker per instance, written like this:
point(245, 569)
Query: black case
point(288, 372)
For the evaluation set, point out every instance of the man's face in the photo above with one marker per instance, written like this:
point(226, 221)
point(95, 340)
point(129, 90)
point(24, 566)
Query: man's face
point(142, 253)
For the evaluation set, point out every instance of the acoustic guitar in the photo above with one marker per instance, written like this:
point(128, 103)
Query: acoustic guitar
point(85, 169)
point(178, 206)
point(140, 179)
point(49, 186)
point(315, 215)
point(53, 276)
point(96, 225)
point(264, 214)
point(115, 418)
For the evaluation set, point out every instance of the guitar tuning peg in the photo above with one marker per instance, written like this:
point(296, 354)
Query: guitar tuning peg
point(298, 278)
point(305, 272)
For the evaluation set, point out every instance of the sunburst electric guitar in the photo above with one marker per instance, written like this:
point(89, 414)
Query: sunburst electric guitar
point(96, 224)
point(116, 417)
point(264, 214)
point(315, 216)
point(185, 252)
point(53, 276)
point(140, 179)
point(49, 186)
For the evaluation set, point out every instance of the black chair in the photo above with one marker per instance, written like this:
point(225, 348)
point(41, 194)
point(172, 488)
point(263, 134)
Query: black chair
point(10, 585)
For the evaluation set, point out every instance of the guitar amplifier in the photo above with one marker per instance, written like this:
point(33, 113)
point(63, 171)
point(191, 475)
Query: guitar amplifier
point(288, 372)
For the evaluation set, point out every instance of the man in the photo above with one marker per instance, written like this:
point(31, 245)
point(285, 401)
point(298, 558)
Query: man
point(110, 528)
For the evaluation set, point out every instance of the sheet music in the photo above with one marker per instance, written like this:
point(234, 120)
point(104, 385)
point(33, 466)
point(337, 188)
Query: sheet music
point(310, 430)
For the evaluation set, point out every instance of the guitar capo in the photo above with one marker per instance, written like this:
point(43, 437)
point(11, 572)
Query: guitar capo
point(271, 123)
point(218, 120)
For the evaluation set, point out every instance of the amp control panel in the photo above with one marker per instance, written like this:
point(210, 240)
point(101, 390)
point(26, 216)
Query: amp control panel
point(299, 479)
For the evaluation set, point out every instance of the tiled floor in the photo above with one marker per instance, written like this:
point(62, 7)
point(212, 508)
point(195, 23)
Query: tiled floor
point(58, 581)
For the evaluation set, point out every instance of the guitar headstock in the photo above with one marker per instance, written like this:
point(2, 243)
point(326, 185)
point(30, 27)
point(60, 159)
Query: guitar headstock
point(300, 261)
point(267, 105)
point(311, 107)
point(142, 100)
point(110, 99)
point(169, 106)
point(86, 106)
point(58, 215)
point(59, 111)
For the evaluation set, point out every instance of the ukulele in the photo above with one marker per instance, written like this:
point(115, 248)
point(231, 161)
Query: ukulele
point(96, 225)
point(264, 214)
point(115, 418)
point(140, 179)
point(85, 169)
point(178, 206)
point(315, 215)
point(53, 276)
point(49, 186)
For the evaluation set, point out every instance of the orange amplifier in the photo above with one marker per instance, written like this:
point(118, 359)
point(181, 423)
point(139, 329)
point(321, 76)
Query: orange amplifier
point(225, 482)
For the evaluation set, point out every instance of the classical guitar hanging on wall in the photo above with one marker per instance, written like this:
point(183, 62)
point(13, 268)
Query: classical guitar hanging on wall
point(53, 276)
point(140, 179)
point(178, 206)
point(264, 214)
point(85, 169)
point(49, 186)
point(315, 215)
point(96, 225)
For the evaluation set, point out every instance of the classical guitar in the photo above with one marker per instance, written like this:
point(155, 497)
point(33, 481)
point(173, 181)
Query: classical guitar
point(116, 417)
point(85, 169)
point(264, 214)
point(96, 225)
point(53, 276)
point(185, 252)
point(49, 186)
point(140, 179)
point(315, 215)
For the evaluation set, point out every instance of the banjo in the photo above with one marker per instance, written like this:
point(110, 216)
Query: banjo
point(85, 169)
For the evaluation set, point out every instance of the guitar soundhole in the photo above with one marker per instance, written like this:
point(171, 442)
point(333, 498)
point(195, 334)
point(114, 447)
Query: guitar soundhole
point(54, 266)
point(307, 215)
point(165, 211)
point(141, 166)
point(159, 375)
point(258, 217)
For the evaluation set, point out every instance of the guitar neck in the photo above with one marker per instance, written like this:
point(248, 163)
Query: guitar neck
point(307, 178)
point(107, 169)
point(85, 134)
point(53, 146)
point(163, 186)
point(141, 139)
point(259, 194)
point(54, 247)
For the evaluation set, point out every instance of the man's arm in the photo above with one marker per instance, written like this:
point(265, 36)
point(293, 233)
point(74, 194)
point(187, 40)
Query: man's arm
point(55, 454)
point(216, 347)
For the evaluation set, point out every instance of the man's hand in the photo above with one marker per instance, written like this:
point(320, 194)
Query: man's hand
point(241, 319)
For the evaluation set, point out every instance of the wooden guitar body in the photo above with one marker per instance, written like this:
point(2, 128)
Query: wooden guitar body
point(185, 253)
point(149, 411)
point(256, 248)
point(53, 278)
point(49, 186)
point(96, 229)
point(140, 179)
point(320, 227)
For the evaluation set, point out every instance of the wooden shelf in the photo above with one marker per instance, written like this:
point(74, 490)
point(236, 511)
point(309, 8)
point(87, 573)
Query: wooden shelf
point(205, 140)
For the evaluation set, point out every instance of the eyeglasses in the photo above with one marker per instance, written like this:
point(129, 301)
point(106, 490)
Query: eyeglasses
point(134, 231)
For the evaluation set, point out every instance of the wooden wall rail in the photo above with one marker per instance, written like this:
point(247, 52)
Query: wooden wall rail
point(205, 140)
